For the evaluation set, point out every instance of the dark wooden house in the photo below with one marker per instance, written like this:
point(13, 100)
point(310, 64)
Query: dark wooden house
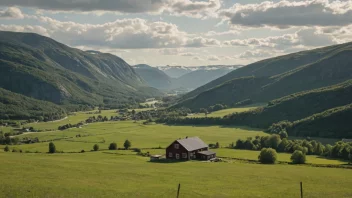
point(188, 149)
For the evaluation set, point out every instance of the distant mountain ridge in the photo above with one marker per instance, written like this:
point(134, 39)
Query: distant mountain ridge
point(178, 71)
point(41, 68)
point(188, 77)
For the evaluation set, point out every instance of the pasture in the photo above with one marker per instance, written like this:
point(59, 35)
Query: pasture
point(141, 136)
point(224, 112)
point(106, 174)
point(122, 173)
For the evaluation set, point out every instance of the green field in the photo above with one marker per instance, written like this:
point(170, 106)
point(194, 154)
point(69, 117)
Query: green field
point(74, 119)
point(124, 174)
point(225, 112)
point(110, 175)
point(141, 136)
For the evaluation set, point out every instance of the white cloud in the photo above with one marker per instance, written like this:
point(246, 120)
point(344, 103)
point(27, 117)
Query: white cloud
point(25, 28)
point(192, 8)
point(255, 54)
point(11, 13)
point(202, 42)
point(230, 32)
point(309, 37)
point(188, 54)
point(197, 58)
point(198, 9)
point(170, 51)
point(213, 58)
point(284, 14)
point(123, 34)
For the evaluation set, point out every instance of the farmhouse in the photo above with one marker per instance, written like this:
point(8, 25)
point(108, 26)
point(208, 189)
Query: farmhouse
point(188, 149)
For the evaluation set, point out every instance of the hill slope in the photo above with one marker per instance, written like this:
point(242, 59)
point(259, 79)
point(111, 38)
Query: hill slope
point(153, 76)
point(333, 68)
point(19, 107)
point(198, 78)
point(44, 69)
point(335, 123)
point(273, 66)
point(297, 106)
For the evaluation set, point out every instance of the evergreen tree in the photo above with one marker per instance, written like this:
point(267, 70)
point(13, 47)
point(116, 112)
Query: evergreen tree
point(52, 148)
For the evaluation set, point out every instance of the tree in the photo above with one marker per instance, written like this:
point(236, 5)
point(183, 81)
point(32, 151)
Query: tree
point(113, 146)
point(319, 150)
point(283, 144)
point(267, 156)
point(127, 144)
point(274, 141)
point(298, 157)
point(6, 149)
point(96, 147)
point(52, 148)
point(217, 145)
point(283, 134)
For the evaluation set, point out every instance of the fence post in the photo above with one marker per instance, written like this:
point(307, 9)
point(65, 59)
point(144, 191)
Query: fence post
point(178, 190)
point(301, 190)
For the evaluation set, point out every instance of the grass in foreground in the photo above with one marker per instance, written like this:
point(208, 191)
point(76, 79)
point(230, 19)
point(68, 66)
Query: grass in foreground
point(109, 175)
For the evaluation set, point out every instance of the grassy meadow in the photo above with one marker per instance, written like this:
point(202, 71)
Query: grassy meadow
point(122, 173)
point(104, 174)
point(225, 112)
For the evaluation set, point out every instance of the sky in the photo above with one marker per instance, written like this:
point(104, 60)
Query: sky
point(184, 32)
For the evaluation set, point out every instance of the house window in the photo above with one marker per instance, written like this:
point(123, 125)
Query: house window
point(177, 156)
point(170, 154)
point(177, 146)
point(184, 155)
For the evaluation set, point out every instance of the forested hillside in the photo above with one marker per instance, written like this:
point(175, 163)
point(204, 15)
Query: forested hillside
point(44, 69)
point(153, 76)
point(332, 69)
point(19, 107)
point(297, 106)
point(275, 66)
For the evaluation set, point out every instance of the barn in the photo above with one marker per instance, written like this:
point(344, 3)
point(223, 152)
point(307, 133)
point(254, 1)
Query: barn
point(189, 148)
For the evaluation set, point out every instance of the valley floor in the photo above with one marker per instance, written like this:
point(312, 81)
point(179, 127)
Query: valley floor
point(124, 174)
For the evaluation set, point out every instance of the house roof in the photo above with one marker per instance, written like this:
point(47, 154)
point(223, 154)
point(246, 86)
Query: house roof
point(192, 143)
point(207, 152)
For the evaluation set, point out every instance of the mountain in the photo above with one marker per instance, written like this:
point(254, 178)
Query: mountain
point(271, 67)
point(41, 68)
point(189, 79)
point(19, 107)
point(329, 66)
point(153, 76)
point(178, 71)
point(199, 77)
point(297, 106)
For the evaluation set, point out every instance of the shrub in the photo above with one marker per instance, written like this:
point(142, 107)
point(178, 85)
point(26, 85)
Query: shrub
point(267, 156)
point(137, 150)
point(14, 150)
point(113, 146)
point(6, 149)
point(52, 148)
point(298, 157)
point(82, 151)
point(127, 144)
point(96, 147)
